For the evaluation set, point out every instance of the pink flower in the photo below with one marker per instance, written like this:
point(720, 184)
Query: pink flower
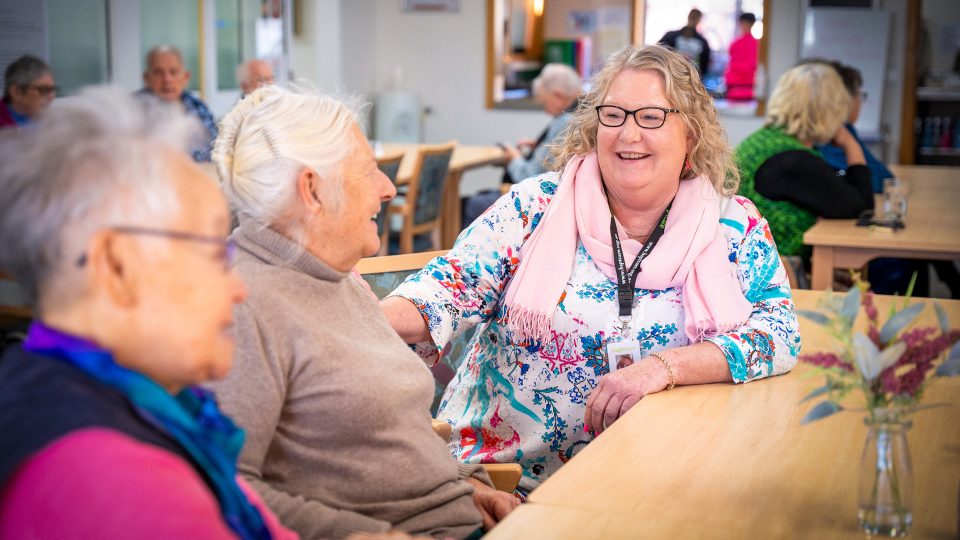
point(826, 360)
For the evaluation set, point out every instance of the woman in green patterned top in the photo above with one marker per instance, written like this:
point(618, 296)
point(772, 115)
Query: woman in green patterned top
point(785, 176)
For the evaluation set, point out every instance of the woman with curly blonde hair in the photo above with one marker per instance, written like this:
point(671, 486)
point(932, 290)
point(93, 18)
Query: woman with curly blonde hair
point(782, 172)
point(633, 249)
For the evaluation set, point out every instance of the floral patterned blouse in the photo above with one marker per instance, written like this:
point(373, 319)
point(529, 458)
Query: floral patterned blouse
point(524, 402)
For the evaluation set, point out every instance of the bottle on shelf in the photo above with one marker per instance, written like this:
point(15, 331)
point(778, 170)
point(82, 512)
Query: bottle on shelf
point(927, 132)
point(956, 133)
point(946, 135)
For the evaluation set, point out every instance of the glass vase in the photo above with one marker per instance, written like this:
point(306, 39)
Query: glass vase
point(886, 477)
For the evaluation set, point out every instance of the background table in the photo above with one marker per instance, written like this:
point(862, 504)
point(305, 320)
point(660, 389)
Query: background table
point(733, 461)
point(932, 227)
point(464, 158)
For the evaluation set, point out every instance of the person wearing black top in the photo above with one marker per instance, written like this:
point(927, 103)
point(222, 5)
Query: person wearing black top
point(785, 176)
point(690, 43)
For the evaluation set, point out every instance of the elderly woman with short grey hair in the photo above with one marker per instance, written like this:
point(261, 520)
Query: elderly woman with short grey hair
point(121, 239)
point(335, 405)
point(556, 88)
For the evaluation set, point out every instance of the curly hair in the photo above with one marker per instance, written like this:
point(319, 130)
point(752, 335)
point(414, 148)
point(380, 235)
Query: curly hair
point(711, 154)
point(810, 103)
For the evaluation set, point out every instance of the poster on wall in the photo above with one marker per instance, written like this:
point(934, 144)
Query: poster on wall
point(431, 5)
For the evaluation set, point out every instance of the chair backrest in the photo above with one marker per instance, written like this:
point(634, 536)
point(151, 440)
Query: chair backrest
point(389, 165)
point(791, 264)
point(428, 180)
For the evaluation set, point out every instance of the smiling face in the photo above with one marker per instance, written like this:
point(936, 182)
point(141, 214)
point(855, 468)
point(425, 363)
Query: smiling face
point(640, 166)
point(345, 234)
point(166, 76)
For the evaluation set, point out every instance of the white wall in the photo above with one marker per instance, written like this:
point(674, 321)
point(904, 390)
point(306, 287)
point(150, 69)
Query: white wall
point(315, 53)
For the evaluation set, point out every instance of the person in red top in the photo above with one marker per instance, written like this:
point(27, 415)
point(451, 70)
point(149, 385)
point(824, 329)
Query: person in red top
point(743, 61)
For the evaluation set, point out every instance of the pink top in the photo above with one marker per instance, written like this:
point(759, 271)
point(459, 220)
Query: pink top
point(742, 66)
point(99, 483)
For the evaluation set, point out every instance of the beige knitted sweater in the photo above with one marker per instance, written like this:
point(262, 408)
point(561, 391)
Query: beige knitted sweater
point(334, 404)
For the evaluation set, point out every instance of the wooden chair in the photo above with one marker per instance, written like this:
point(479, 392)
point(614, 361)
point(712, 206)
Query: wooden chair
point(424, 198)
point(389, 165)
point(791, 271)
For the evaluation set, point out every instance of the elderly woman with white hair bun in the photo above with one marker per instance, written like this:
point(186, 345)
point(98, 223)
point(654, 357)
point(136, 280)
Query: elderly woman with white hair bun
point(121, 238)
point(335, 405)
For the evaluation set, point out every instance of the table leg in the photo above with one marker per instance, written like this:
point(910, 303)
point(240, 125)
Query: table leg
point(450, 217)
point(822, 272)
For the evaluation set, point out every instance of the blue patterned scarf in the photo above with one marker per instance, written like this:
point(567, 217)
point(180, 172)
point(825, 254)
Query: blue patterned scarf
point(191, 417)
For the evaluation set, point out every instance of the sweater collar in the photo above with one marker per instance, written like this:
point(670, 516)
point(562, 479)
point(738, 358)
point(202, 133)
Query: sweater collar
point(271, 247)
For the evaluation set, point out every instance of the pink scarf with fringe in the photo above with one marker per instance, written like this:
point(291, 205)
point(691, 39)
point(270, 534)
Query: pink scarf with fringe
point(692, 255)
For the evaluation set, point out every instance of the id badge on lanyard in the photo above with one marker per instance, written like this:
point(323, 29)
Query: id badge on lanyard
point(622, 349)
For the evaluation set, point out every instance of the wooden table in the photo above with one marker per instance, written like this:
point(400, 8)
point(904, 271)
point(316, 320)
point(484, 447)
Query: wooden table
point(733, 461)
point(464, 158)
point(932, 227)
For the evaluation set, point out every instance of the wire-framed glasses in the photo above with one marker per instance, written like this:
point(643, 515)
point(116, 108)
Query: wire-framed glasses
point(227, 245)
point(43, 89)
point(646, 117)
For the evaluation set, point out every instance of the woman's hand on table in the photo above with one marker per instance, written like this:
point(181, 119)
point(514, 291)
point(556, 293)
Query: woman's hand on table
point(700, 363)
point(622, 389)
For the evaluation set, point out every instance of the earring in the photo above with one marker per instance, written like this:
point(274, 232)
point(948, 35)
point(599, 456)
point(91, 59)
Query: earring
point(687, 166)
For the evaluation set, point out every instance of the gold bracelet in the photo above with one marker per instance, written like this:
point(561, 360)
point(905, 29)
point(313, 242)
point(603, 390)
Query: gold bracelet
point(666, 365)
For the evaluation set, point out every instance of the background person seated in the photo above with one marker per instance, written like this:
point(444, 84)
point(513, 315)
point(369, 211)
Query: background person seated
point(28, 89)
point(782, 172)
point(253, 74)
point(336, 407)
point(887, 275)
point(833, 154)
point(166, 79)
point(122, 239)
point(557, 89)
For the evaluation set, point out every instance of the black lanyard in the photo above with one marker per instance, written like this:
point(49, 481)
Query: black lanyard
point(626, 278)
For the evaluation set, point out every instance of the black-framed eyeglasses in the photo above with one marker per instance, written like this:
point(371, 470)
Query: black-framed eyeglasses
point(645, 117)
point(43, 89)
point(226, 244)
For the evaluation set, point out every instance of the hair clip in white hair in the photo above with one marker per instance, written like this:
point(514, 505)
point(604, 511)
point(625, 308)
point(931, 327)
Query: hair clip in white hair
point(270, 142)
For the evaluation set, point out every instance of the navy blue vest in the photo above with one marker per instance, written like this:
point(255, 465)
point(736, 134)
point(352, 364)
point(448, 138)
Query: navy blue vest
point(43, 399)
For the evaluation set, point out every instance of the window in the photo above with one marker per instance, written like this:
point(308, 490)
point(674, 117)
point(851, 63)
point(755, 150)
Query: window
point(77, 37)
point(524, 35)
